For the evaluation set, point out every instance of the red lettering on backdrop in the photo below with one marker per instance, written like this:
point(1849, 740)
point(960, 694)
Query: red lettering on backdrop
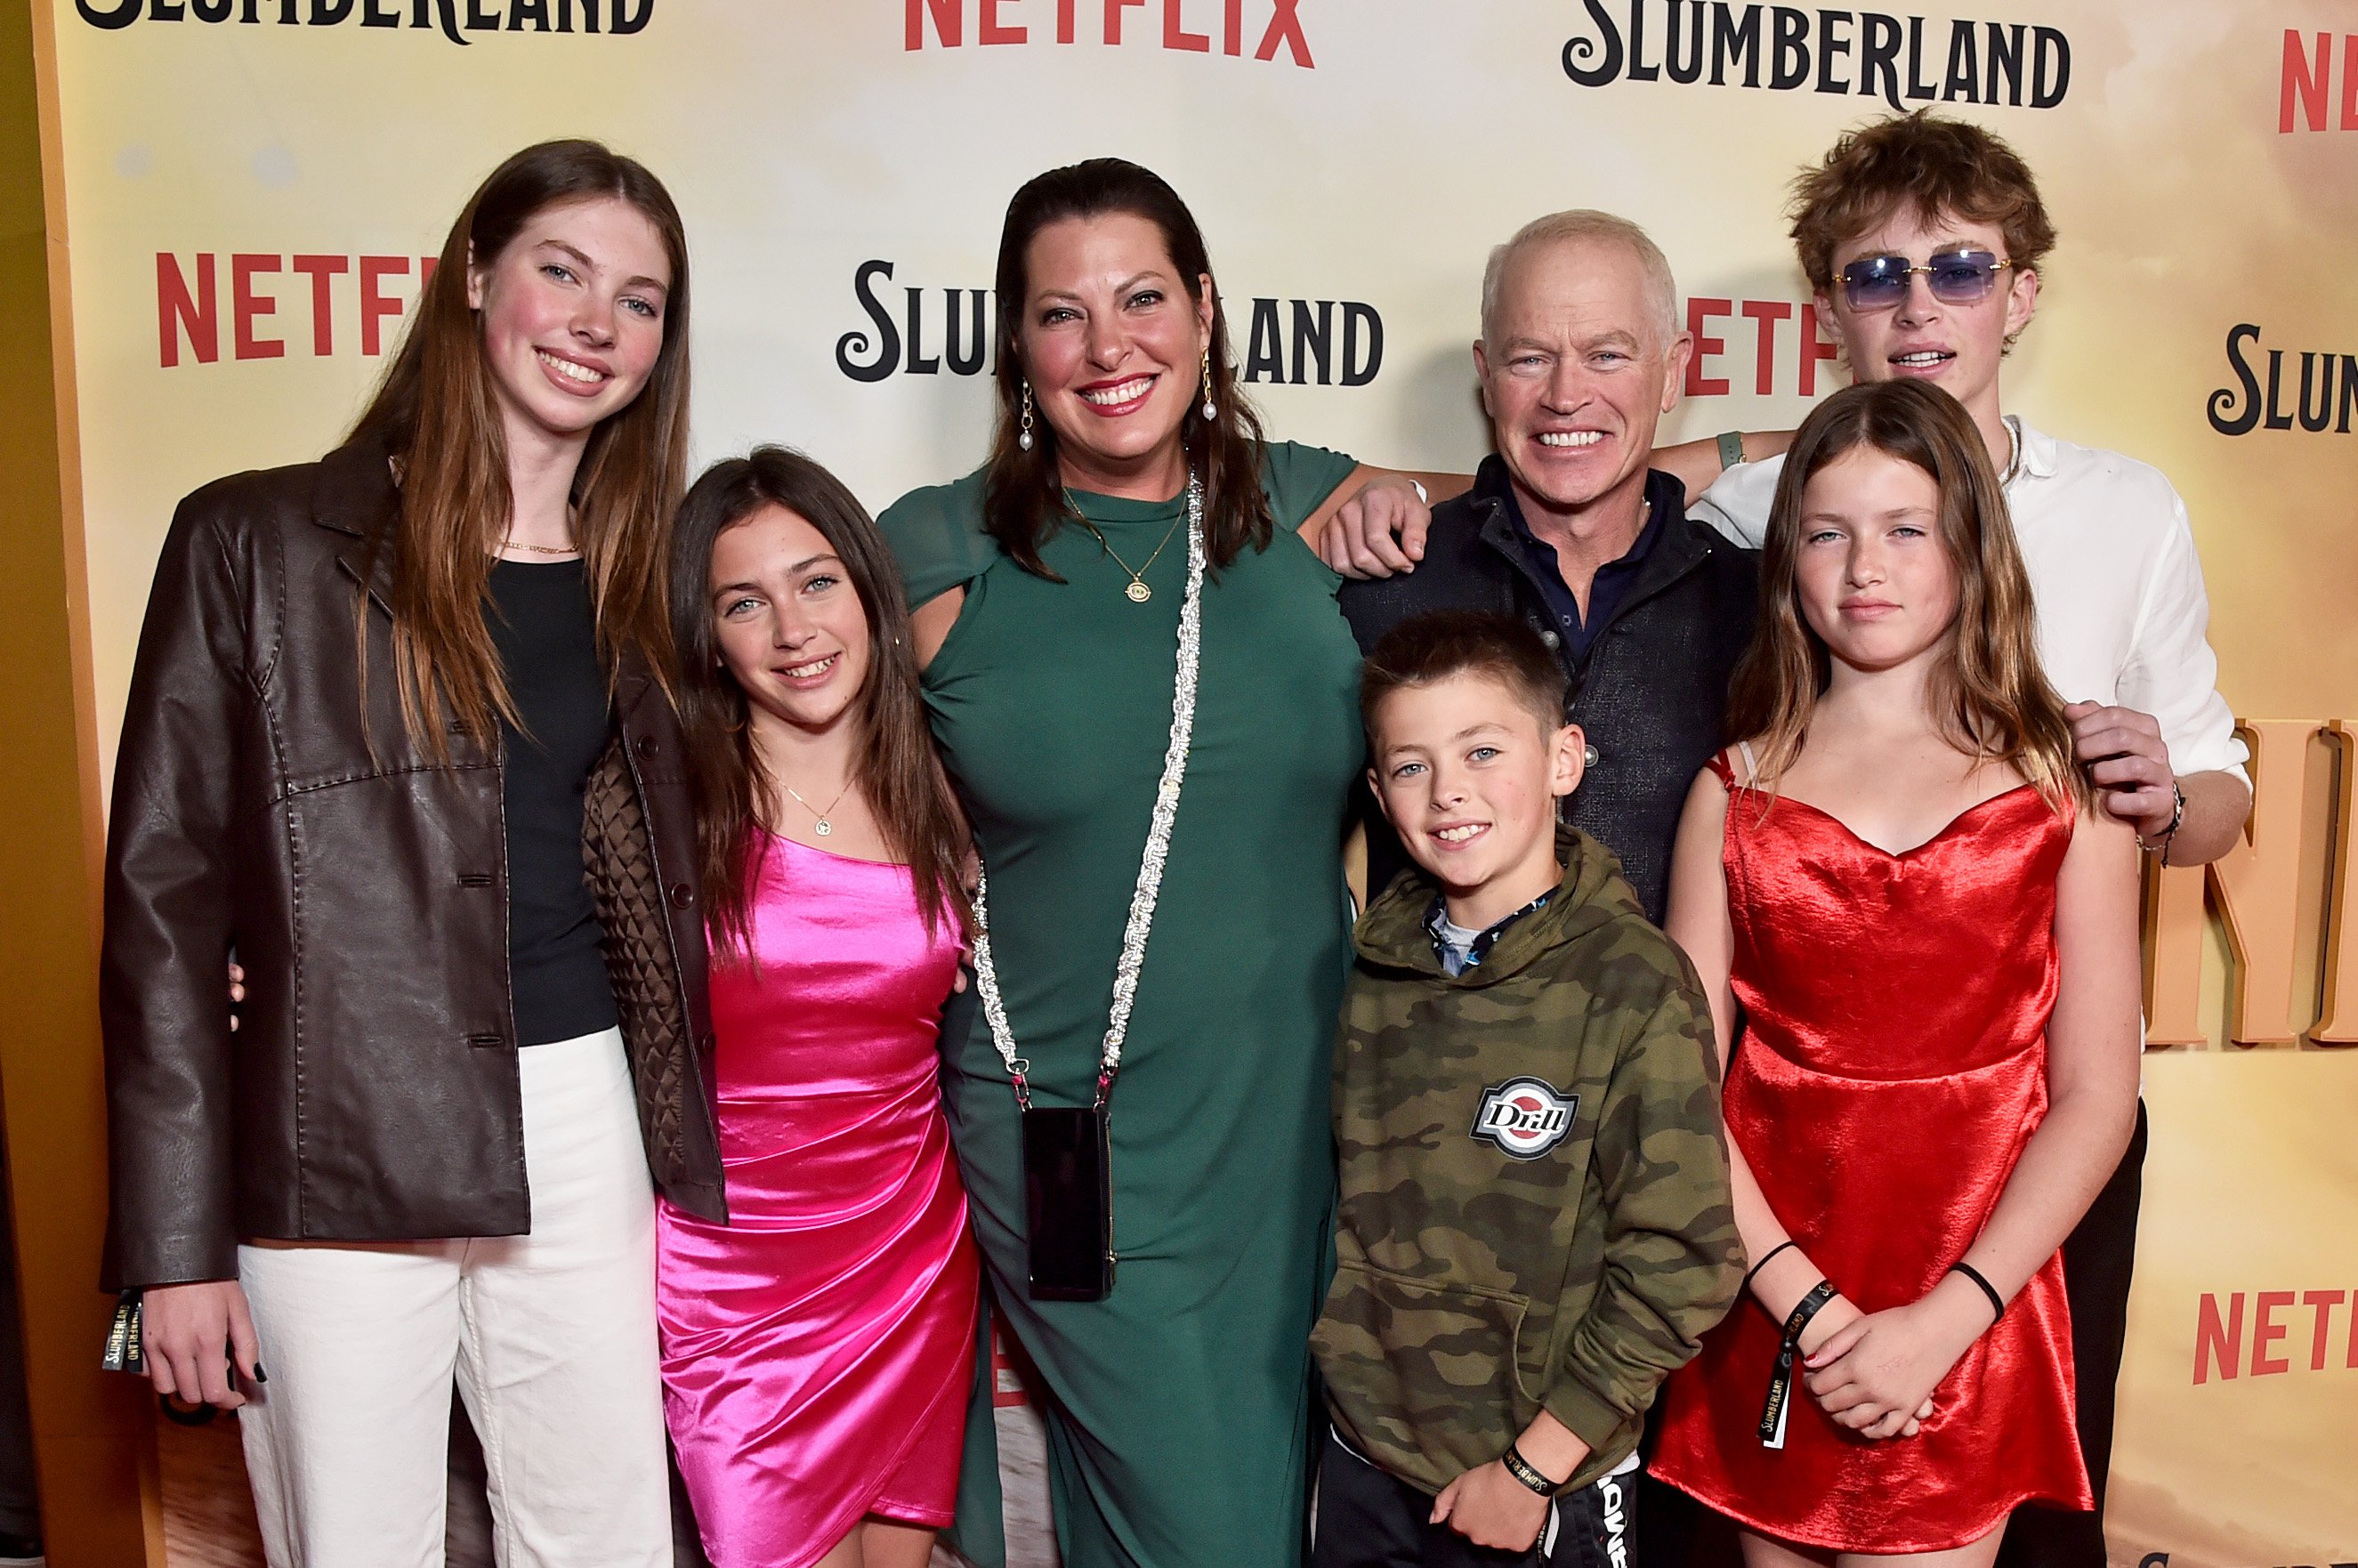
point(246, 305)
point(2300, 80)
point(374, 305)
point(2350, 83)
point(1284, 27)
point(1175, 35)
point(2322, 1302)
point(1699, 313)
point(1064, 21)
point(1113, 9)
point(1232, 28)
point(993, 31)
point(1814, 348)
point(2266, 1331)
point(174, 310)
point(2217, 1344)
point(321, 269)
point(949, 28)
point(1767, 313)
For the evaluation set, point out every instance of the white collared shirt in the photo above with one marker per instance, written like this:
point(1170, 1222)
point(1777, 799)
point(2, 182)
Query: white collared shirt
point(2123, 617)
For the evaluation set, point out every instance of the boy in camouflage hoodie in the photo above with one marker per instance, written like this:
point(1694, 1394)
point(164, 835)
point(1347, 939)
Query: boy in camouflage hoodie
point(1535, 1225)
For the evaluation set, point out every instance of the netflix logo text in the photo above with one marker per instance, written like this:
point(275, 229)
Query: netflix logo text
point(1186, 27)
point(2287, 1330)
point(261, 303)
point(1785, 353)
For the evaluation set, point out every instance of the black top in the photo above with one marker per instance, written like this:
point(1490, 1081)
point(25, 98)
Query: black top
point(1649, 676)
point(1604, 589)
point(542, 624)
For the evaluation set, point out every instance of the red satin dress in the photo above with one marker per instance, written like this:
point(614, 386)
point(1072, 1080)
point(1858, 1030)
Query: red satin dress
point(1891, 1067)
point(818, 1350)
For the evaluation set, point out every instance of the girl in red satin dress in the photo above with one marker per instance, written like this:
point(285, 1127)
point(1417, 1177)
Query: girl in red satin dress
point(1932, 943)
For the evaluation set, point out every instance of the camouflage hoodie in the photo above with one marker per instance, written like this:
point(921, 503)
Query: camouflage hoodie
point(1534, 1203)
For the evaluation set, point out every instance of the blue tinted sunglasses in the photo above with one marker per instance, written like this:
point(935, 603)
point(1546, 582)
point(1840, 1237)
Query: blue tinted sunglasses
point(1956, 277)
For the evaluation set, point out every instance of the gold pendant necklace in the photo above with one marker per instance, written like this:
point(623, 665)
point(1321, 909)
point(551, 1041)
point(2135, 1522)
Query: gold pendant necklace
point(825, 828)
point(1137, 592)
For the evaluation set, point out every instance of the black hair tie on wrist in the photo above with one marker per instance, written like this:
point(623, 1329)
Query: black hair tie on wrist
point(1996, 1302)
point(1750, 1274)
point(1780, 1381)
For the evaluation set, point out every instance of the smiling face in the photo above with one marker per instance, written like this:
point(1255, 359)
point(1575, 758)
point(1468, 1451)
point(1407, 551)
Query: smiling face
point(1875, 579)
point(1957, 347)
point(1469, 775)
point(792, 632)
point(1112, 341)
point(1576, 375)
point(572, 317)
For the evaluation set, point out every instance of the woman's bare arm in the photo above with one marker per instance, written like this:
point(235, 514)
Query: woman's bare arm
point(931, 621)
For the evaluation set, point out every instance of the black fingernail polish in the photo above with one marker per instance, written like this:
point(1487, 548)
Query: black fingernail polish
point(259, 1375)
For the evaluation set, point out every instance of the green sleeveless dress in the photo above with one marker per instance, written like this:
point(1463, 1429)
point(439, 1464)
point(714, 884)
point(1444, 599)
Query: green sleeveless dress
point(1183, 1403)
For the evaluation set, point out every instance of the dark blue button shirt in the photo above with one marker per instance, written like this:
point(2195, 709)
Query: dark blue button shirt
point(1604, 591)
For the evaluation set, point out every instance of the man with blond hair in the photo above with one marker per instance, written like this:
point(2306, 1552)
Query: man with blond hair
point(1571, 528)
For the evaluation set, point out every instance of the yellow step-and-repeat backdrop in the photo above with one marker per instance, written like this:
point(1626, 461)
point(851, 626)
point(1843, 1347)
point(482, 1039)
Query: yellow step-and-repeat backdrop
point(253, 189)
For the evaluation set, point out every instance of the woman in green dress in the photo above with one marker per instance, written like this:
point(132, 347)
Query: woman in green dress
point(1055, 615)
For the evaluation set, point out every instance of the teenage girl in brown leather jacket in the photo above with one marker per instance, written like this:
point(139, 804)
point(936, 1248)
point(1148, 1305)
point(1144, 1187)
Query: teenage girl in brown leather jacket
point(368, 695)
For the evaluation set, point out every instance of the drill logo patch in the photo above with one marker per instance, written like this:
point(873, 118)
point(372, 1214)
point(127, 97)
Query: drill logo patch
point(1525, 1118)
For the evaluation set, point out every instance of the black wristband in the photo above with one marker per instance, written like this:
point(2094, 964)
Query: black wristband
point(1523, 1470)
point(1998, 1302)
point(1780, 1381)
point(1745, 1288)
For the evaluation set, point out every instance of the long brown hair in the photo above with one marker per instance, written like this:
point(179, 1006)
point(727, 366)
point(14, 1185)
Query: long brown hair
point(437, 411)
point(1023, 496)
point(1989, 694)
point(895, 767)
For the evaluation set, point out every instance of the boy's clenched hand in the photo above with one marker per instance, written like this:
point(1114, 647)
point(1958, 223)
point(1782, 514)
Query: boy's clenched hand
point(1490, 1508)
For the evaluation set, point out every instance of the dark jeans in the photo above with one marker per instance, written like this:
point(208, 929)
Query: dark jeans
point(1369, 1519)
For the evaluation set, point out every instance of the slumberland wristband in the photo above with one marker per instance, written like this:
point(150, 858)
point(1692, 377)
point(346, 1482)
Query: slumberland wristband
point(1998, 1302)
point(1523, 1470)
point(1754, 1272)
point(1780, 1381)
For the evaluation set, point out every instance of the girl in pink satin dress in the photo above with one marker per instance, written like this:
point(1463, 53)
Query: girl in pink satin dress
point(818, 1350)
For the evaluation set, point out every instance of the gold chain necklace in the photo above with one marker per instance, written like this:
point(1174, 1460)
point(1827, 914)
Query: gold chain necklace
point(541, 549)
point(825, 828)
point(1137, 592)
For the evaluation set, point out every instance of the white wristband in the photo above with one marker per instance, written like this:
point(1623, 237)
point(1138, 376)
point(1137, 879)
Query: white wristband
point(1418, 486)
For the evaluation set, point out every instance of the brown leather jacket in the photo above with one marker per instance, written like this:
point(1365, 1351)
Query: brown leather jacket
point(269, 801)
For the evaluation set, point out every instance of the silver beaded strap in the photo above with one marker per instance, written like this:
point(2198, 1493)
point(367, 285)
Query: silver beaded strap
point(1149, 865)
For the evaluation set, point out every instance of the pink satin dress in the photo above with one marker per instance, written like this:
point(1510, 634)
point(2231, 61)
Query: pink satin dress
point(817, 1351)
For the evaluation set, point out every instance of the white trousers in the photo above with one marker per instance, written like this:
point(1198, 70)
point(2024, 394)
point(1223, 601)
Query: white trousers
point(552, 1337)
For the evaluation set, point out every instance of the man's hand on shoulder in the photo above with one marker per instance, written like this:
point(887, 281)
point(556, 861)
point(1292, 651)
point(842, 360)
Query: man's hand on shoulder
point(1378, 533)
point(2128, 762)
